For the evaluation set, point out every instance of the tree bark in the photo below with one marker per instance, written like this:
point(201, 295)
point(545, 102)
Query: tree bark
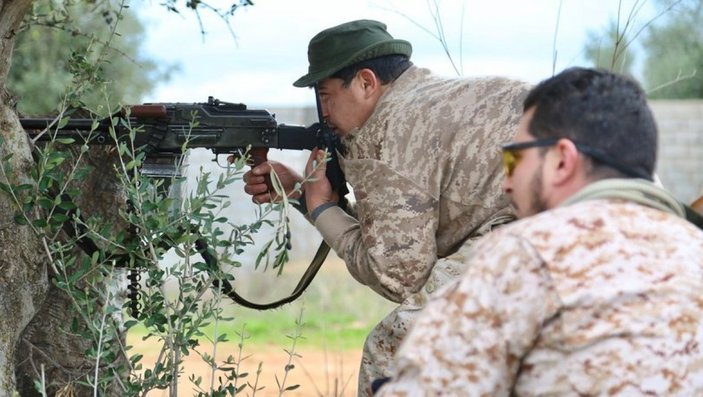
point(23, 278)
point(33, 329)
point(47, 341)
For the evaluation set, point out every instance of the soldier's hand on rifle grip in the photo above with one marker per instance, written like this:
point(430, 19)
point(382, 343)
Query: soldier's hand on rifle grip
point(255, 181)
point(258, 156)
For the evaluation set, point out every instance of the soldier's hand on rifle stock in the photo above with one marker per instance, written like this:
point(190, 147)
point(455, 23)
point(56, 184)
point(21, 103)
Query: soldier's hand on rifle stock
point(255, 181)
point(318, 189)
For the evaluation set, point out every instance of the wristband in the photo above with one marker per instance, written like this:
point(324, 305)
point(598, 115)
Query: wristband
point(320, 208)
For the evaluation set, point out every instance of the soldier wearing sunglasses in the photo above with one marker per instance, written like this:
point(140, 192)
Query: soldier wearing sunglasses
point(596, 291)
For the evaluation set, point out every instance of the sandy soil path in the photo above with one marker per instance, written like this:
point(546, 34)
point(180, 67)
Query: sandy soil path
point(318, 372)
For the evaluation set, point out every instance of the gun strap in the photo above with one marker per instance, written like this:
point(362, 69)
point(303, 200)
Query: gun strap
point(85, 243)
point(226, 287)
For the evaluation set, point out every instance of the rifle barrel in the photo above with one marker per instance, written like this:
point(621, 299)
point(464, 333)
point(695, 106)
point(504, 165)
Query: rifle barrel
point(296, 137)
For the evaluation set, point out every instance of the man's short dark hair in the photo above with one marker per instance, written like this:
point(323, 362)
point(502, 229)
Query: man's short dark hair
point(387, 68)
point(602, 110)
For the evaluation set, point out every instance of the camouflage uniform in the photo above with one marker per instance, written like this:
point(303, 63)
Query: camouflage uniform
point(597, 298)
point(427, 178)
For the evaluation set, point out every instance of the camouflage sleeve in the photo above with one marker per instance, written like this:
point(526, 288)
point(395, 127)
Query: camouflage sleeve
point(470, 338)
point(392, 246)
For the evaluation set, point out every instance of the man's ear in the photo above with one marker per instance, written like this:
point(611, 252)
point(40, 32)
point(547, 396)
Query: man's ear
point(564, 162)
point(369, 81)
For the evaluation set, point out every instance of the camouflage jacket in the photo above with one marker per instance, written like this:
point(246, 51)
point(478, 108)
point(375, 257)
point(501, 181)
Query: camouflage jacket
point(426, 175)
point(597, 298)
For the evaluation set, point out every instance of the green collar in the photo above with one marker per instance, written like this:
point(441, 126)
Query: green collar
point(637, 190)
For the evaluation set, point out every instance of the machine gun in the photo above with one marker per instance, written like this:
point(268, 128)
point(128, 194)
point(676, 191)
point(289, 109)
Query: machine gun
point(163, 130)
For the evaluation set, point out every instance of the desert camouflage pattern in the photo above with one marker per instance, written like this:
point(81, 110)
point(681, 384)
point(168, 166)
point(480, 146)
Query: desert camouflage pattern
point(598, 298)
point(426, 175)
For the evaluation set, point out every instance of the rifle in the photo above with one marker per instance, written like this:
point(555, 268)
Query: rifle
point(163, 130)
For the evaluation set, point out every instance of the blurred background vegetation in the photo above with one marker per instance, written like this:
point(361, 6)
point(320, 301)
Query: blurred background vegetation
point(668, 49)
point(52, 45)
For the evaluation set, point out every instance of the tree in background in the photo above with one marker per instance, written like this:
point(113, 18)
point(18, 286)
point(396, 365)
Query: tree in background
point(674, 52)
point(671, 44)
point(609, 51)
point(53, 39)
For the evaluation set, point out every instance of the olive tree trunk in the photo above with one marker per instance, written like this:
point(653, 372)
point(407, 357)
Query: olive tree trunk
point(23, 278)
point(46, 341)
point(33, 335)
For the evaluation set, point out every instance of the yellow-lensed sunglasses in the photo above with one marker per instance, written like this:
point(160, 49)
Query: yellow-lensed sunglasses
point(511, 156)
point(511, 152)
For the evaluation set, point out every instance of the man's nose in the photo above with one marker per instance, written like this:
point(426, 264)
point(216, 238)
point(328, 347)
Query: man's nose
point(507, 185)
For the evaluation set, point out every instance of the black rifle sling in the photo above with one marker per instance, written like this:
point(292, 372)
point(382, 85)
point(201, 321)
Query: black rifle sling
point(226, 288)
point(87, 245)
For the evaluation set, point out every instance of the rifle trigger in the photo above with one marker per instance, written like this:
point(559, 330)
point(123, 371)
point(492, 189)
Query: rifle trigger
point(217, 160)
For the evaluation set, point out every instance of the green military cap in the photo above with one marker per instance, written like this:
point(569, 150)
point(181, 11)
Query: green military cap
point(338, 47)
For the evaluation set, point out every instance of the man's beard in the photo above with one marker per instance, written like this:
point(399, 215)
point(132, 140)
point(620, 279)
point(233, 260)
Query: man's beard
point(537, 201)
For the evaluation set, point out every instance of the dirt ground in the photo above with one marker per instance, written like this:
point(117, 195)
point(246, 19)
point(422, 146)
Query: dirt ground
point(319, 373)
